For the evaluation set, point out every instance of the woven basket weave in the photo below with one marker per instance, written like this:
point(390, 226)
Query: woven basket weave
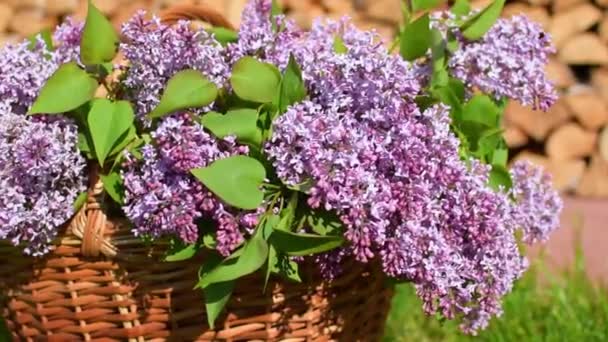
point(100, 283)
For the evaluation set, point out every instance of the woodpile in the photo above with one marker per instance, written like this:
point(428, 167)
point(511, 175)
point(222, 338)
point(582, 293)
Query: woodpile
point(570, 140)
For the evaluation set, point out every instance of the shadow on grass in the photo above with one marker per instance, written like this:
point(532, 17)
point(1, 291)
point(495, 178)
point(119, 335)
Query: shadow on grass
point(544, 306)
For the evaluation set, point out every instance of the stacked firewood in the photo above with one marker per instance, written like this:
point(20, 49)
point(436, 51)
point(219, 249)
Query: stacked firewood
point(19, 18)
point(571, 140)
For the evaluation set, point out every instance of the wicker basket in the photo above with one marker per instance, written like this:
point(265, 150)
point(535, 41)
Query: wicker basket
point(100, 283)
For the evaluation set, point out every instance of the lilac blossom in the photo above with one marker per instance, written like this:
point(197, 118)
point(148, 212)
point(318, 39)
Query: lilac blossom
point(67, 40)
point(536, 202)
point(508, 61)
point(394, 176)
point(24, 69)
point(258, 38)
point(162, 198)
point(41, 174)
point(156, 52)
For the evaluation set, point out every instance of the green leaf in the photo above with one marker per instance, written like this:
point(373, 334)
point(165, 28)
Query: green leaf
point(209, 240)
point(5, 334)
point(501, 154)
point(422, 5)
point(47, 38)
point(236, 180)
point(440, 76)
point(244, 261)
point(99, 41)
point(293, 89)
point(324, 222)
point(416, 38)
point(280, 264)
point(339, 46)
point(80, 200)
point(124, 140)
point(461, 7)
point(255, 81)
point(223, 35)
point(185, 253)
point(186, 89)
point(67, 89)
point(479, 24)
point(303, 244)
point(500, 176)
point(488, 142)
point(84, 144)
point(241, 123)
point(113, 185)
point(483, 110)
point(268, 226)
point(108, 121)
point(216, 297)
point(276, 8)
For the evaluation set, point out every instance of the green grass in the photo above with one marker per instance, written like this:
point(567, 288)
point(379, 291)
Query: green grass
point(5, 336)
point(542, 307)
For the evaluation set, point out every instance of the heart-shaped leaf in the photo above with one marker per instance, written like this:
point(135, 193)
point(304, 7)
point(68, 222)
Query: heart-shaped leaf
point(242, 123)
point(114, 187)
point(185, 253)
point(67, 89)
point(483, 110)
point(255, 81)
point(500, 177)
point(236, 180)
point(244, 261)
point(216, 297)
point(480, 23)
point(99, 41)
point(186, 89)
point(303, 244)
point(461, 7)
point(422, 5)
point(108, 121)
point(416, 38)
point(293, 89)
point(223, 35)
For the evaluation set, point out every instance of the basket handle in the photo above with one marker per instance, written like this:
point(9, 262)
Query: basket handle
point(91, 221)
point(191, 12)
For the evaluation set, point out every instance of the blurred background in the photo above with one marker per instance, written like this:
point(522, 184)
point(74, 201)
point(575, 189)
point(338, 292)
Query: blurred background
point(563, 298)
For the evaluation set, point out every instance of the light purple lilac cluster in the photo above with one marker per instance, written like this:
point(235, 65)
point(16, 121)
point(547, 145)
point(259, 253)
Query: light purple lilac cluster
point(257, 37)
point(508, 61)
point(155, 52)
point(41, 169)
point(394, 175)
point(536, 202)
point(41, 174)
point(164, 199)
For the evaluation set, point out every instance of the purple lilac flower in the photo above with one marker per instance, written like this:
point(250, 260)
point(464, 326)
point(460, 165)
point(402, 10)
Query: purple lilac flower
point(67, 38)
point(536, 202)
point(25, 69)
point(41, 174)
point(395, 177)
point(257, 38)
point(41, 169)
point(163, 198)
point(156, 52)
point(508, 61)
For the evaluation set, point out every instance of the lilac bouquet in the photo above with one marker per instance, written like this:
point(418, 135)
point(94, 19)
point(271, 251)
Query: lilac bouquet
point(265, 147)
